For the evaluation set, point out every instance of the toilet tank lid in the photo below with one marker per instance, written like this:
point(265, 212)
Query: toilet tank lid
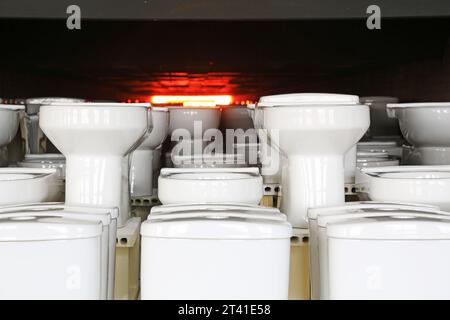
point(396, 226)
point(103, 215)
point(14, 107)
point(307, 98)
point(216, 221)
point(365, 206)
point(46, 228)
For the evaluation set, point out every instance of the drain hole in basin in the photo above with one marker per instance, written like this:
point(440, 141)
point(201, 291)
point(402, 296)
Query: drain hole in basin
point(123, 241)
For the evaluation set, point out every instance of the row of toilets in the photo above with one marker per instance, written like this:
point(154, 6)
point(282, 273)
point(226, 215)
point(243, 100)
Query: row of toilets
point(211, 238)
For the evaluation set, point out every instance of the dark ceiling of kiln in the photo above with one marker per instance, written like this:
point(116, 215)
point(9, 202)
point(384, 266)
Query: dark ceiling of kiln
point(121, 60)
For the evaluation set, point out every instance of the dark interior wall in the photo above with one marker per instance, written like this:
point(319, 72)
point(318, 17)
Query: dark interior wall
point(408, 58)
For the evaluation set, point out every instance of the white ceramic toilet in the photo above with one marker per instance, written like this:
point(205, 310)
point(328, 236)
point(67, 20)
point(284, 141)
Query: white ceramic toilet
point(210, 185)
point(196, 126)
point(29, 185)
point(50, 257)
point(141, 171)
point(314, 132)
point(418, 184)
point(106, 216)
point(318, 217)
point(95, 137)
point(199, 252)
point(9, 124)
point(425, 125)
point(389, 255)
point(35, 139)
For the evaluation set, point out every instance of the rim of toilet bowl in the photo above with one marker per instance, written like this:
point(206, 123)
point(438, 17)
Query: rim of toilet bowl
point(372, 154)
point(13, 107)
point(233, 173)
point(33, 173)
point(314, 212)
point(308, 99)
point(414, 175)
point(44, 157)
point(418, 105)
point(202, 159)
point(378, 99)
point(389, 161)
point(98, 104)
point(377, 171)
point(47, 100)
point(363, 144)
point(379, 228)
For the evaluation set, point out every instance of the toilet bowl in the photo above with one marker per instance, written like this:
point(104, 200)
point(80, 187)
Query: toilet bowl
point(317, 219)
point(218, 160)
point(35, 139)
point(141, 173)
point(199, 252)
point(9, 124)
point(380, 123)
point(314, 132)
point(418, 184)
point(426, 155)
point(196, 126)
point(106, 216)
point(210, 185)
point(84, 133)
point(423, 124)
point(49, 257)
point(366, 159)
point(48, 161)
point(389, 255)
point(299, 284)
point(29, 185)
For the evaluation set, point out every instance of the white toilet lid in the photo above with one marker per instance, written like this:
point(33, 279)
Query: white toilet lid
point(307, 99)
point(12, 174)
point(39, 228)
point(14, 107)
point(406, 225)
point(104, 215)
point(216, 221)
point(364, 206)
point(232, 173)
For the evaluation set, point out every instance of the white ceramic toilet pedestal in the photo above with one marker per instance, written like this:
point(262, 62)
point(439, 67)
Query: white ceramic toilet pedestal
point(315, 131)
point(94, 137)
point(141, 173)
